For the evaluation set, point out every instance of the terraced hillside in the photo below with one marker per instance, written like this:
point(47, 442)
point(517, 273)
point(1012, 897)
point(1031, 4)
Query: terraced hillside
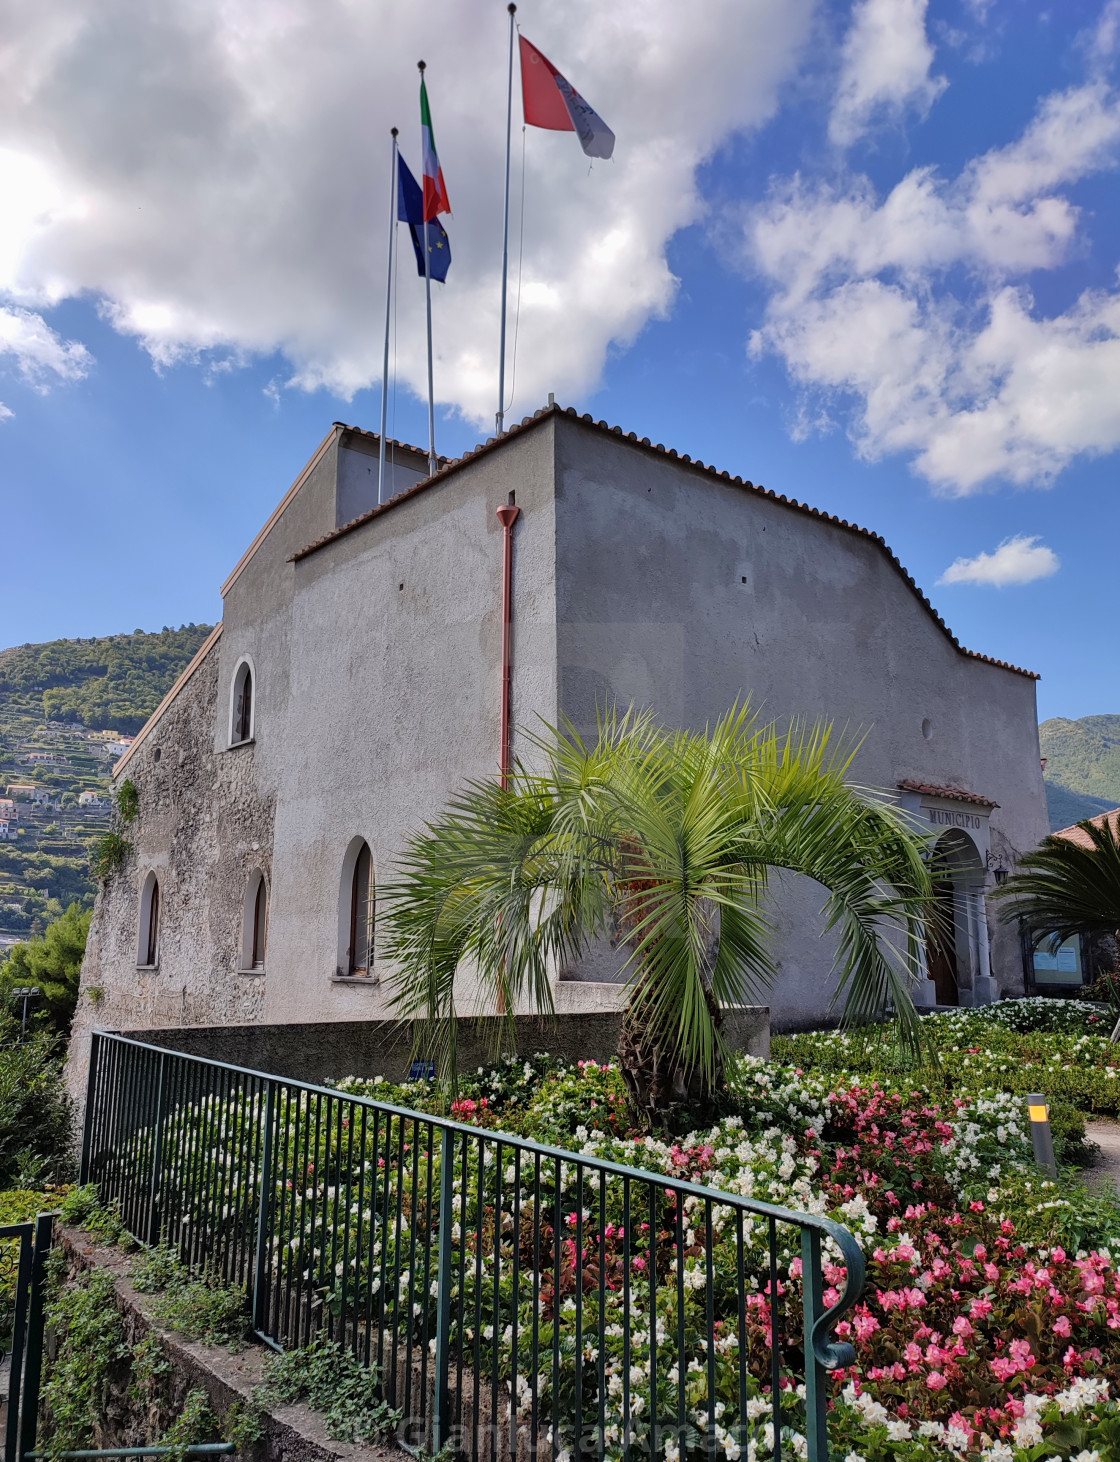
point(64, 708)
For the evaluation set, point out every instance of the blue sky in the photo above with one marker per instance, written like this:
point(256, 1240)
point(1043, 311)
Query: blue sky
point(863, 254)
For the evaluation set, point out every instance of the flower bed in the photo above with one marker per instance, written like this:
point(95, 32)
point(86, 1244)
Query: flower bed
point(990, 1325)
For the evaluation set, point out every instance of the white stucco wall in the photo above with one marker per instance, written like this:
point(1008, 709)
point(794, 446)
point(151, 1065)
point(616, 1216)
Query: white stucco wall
point(685, 592)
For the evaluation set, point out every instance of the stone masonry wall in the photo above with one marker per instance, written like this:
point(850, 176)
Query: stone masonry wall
point(203, 828)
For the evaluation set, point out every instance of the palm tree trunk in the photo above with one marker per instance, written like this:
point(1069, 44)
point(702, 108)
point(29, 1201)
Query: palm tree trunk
point(658, 1081)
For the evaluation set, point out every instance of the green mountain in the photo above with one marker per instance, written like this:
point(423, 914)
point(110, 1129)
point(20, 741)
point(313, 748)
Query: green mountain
point(1082, 767)
point(62, 707)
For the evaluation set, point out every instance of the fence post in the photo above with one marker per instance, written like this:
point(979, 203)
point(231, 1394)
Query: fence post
point(87, 1115)
point(157, 1156)
point(812, 1302)
point(441, 1423)
point(264, 1211)
point(33, 1365)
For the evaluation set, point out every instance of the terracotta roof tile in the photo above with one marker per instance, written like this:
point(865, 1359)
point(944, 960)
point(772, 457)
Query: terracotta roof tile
point(528, 422)
point(927, 789)
point(1078, 835)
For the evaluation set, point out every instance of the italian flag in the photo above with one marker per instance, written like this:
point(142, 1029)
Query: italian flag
point(435, 189)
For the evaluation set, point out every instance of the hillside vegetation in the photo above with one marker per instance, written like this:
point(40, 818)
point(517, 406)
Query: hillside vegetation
point(109, 684)
point(60, 704)
point(1082, 766)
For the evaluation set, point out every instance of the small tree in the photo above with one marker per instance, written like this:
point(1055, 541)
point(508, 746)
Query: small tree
point(53, 962)
point(666, 842)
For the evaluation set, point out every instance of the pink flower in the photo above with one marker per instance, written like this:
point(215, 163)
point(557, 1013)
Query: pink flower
point(980, 1308)
point(1062, 1327)
point(962, 1327)
point(639, 1262)
point(936, 1381)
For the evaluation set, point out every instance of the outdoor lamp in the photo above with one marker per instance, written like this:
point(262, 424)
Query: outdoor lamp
point(1038, 1110)
point(994, 864)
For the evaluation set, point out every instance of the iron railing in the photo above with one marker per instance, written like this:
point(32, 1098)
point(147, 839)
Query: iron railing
point(23, 1263)
point(540, 1302)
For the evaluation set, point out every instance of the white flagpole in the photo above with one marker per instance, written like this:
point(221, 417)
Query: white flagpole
point(501, 417)
point(432, 461)
point(388, 311)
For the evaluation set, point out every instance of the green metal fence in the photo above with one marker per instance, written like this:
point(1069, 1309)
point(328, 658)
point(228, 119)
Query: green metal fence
point(517, 1300)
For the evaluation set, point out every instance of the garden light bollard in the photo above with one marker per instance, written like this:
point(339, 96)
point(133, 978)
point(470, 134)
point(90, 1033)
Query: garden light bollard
point(1039, 1113)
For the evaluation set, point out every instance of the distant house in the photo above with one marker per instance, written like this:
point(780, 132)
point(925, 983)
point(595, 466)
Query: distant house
point(5, 834)
point(120, 746)
point(7, 809)
point(25, 792)
point(88, 799)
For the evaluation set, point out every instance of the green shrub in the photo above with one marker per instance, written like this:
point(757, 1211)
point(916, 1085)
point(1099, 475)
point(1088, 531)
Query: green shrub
point(199, 1308)
point(83, 1208)
point(128, 800)
point(35, 1113)
point(91, 1352)
point(329, 1378)
point(107, 854)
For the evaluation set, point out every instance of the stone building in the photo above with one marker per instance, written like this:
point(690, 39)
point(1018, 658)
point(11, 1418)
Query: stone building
point(356, 680)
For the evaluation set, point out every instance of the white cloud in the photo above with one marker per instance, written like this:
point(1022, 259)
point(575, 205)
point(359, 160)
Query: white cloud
point(215, 171)
point(884, 68)
point(975, 387)
point(1018, 560)
point(6, 413)
point(40, 354)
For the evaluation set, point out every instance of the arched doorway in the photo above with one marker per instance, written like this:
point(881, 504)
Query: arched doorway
point(957, 943)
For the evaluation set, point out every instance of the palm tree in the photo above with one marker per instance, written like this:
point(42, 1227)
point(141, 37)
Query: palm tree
point(667, 841)
point(1068, 886)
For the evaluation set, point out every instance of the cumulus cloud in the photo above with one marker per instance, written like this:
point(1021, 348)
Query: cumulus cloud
point(976, 387)
point(215, 172)
point(1018, 560)
point(885, 67)
point(40, 355)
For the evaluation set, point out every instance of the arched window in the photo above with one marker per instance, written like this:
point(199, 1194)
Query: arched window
point(147, 954)
point(362, 908)
point(254, 927)
point(241, 705)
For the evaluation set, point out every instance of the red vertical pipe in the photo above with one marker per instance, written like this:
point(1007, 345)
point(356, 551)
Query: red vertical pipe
point(507, 516)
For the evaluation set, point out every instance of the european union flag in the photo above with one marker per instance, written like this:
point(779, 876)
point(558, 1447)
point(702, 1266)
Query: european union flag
point(410, 210)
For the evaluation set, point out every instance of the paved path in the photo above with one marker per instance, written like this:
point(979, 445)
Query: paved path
point(1107, 1137)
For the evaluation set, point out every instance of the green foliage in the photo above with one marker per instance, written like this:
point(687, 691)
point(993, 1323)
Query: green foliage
point(243, 1424)
point(107, 854)
point(330, 1379)
point(1063, 888)
point(199, 1308)
point(92, 1350)
point(669, 839)
point(82, 1208)
point(1082, 766)
point(54, 963)
point(128, 800)
point(196, 1423)
point(111, 683)
point(35, 1114)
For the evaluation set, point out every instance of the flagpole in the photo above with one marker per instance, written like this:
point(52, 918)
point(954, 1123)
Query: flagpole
point(388, 311)
point(432, 461)
point(501, 419)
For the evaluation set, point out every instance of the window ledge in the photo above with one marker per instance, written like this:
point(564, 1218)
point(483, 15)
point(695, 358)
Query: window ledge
point(148, 967)
point(237, 745)
point(252, 970)
point(371, 980)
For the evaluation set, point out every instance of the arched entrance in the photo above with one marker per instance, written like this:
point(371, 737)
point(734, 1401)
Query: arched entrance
point(957, 939)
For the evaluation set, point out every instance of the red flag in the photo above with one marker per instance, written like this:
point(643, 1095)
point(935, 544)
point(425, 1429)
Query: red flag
point(551, 101)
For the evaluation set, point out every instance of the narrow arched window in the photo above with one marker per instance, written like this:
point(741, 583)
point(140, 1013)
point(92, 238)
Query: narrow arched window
point(242, 728)
point(362, 908)
point(260, 926)
point(147, 954)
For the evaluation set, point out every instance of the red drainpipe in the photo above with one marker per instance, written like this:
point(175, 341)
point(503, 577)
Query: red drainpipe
point(507, 516)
